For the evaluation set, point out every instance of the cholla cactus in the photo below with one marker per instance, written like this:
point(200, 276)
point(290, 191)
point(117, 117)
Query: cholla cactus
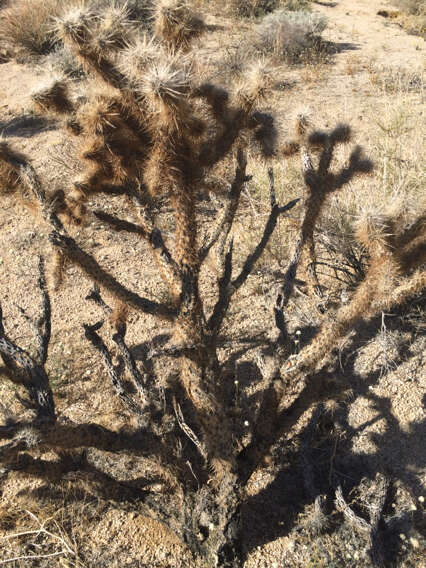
point(153, 130)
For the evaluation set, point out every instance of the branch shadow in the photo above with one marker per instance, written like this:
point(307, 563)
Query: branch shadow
point(321, 457)
point(330, 452)
point(26, 126)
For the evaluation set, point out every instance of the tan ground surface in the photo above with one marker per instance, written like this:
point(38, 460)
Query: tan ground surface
point(375, 83)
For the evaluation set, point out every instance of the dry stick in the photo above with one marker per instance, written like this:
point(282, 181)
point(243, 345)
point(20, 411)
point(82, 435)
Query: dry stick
point(188, 431)
point(44, 322)
point(352, 518)
point(33, 557)
point(90, 266)
point(9, 362)
point(138, 379)
point(38, 382)
point(377, 548)
point(116, 380)
point(67, 549)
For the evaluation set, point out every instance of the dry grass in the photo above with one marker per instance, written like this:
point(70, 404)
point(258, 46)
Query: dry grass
point(414, 16)
point(27, 25)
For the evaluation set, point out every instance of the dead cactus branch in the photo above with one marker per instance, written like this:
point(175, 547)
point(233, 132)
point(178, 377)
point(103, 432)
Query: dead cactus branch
point(30, 371)
point(116, 380)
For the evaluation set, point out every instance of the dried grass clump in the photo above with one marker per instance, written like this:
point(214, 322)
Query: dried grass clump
point(27, 25)
point(292, 35)
point(253, 8)
point(295, 5)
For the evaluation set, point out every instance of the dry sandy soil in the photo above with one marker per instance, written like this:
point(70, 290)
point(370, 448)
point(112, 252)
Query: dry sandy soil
point(375, 83)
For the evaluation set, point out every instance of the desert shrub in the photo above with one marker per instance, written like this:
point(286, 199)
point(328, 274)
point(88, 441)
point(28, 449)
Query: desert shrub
point(295, 5)
point(292, 35)
point(413, 18)
point(252, 8)
point(28, 25)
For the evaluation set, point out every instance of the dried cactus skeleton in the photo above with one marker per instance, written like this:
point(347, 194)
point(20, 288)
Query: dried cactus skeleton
point(153, 129)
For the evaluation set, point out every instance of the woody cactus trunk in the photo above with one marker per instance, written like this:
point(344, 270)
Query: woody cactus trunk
point(152, 131)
